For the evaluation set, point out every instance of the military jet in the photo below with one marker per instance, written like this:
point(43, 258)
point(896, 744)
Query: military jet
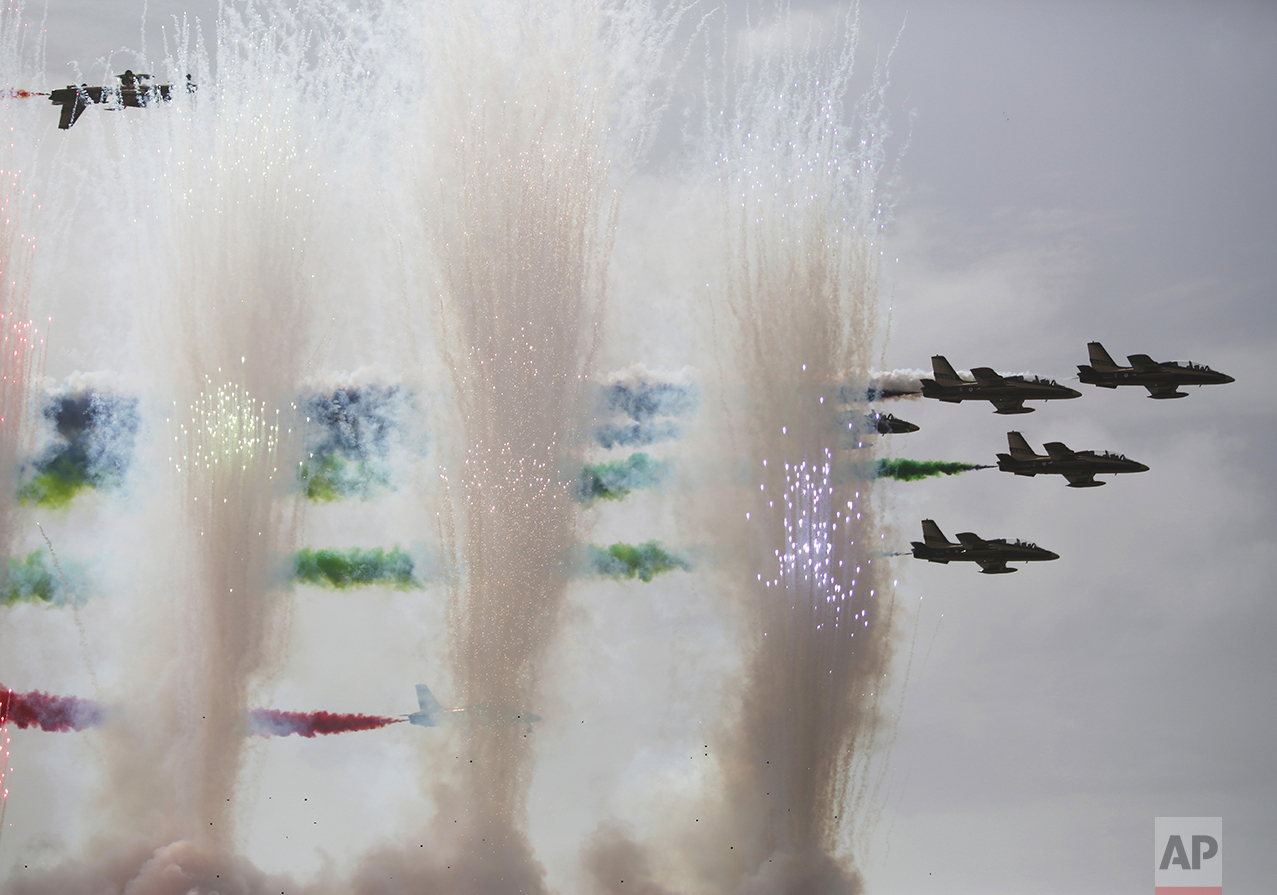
point(1161, 379)
point(1007, 393)
point(1079, 467)
point(886, 424)
point(485, 714)
point(992, 556)
point(134, 91)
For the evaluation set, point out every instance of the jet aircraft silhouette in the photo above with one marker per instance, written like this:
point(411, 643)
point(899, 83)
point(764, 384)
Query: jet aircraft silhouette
point(1162, 379)
point(484, 714)
point(886, 424)
point(992, 556)
point(1079, 467)
point(134, 91)
point(1006, 393)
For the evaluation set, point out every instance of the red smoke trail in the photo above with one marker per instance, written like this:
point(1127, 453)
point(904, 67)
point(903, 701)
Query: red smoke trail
point(272, 723)
point(53, 713)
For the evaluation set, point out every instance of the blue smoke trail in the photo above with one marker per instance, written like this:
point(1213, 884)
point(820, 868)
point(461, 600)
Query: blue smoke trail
point(94, 444)
point(350, 441)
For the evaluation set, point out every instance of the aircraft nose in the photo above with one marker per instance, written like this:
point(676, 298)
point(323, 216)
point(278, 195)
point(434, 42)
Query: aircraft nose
point(1140, 467)
point(1074, 393)
point(1050, 555)
point(1228, 379)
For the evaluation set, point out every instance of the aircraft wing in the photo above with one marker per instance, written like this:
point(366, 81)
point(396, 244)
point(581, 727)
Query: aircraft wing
point(970, 539)
point(1142, 363)
point(987, 376)
point(1056, 450)
point(1011, 405)
point(994, 567)
point(1083, 480)
point(1168, 390)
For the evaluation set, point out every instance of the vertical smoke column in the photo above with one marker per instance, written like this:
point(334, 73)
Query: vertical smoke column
point(520, 206)
point(225, 334)
point(21, 347)
point(802, 219)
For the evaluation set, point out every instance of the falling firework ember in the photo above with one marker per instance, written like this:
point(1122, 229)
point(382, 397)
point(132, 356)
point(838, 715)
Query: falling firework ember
point(6, 699)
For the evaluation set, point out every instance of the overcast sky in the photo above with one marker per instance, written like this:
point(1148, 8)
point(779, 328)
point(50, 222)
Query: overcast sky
point(1074, 172)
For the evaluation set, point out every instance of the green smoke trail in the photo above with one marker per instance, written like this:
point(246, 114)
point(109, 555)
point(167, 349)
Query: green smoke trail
point(330, 477)
point(629, 561)
point(355, 567)
point(912, 470)
point(57, 484)
point(613, 481)
point(29, 579)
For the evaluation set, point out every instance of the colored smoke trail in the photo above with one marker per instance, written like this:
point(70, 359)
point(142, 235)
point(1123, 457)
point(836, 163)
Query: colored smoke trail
point(629, 561)
point(56, 714)
point(274, 723)
point(614, 481)
point(349, 435)
point(355, 567)
point(5, 699)
point(93, 447)
point(913, 470)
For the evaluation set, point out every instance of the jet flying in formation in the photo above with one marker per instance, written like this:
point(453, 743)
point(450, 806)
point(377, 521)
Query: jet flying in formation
point(1006, 393)
point(886, 424)
point(485, 714)
point(1079, 467)
point(134, 91)
point(992, 556)
point(1162, 379)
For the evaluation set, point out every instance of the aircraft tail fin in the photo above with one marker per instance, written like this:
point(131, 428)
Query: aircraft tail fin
point(1100, 359)
point(429, 705)
point(944, 372)
point(932, 536)
point(1020, 449)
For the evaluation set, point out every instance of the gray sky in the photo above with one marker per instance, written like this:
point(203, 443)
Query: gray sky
point(1074, 172)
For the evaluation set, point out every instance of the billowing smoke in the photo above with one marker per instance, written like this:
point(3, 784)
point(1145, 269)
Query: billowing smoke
point(349, 433)
point(52, 713)
point(32, 579)
point(615, 480)
point(274, 723)
point(62, 714)
point(628, 561)
point(895, 384)
point(92, 446)
point(354, 567)
point(913, 470)
point(638, 407)
point(800, 212)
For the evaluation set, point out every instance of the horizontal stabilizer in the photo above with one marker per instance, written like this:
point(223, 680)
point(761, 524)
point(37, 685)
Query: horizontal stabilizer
point(987, 376)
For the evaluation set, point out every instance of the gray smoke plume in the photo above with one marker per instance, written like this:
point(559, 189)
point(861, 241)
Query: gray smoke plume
point(801, 214)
